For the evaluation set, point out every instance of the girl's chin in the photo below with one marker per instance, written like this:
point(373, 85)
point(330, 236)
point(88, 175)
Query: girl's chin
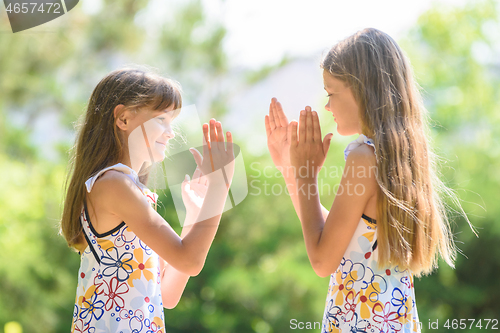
point(158, 156)
point(342, 133)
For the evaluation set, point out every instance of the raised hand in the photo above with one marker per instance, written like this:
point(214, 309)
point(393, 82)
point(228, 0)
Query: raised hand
point(216, 156)
point(278, 135)
point(308, 151)
point(194, 190)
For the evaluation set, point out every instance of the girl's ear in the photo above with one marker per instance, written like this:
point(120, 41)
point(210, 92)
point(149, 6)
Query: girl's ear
point(120, 116)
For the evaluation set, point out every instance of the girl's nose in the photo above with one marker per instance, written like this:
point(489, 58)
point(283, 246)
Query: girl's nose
point(169, 133)
point(327, 106)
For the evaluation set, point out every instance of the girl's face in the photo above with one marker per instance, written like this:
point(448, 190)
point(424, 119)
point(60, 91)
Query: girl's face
point(342, 105)
point(153, 129)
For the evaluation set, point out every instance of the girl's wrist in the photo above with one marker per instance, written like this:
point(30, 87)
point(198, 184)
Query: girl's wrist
point(219, 184)
point(286, 170)
point(312, 179)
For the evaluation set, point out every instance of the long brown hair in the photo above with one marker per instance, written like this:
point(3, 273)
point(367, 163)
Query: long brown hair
point(98, 143)
point(412, 224)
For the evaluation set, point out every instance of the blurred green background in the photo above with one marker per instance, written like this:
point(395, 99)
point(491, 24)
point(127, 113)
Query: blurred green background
point(257, 275)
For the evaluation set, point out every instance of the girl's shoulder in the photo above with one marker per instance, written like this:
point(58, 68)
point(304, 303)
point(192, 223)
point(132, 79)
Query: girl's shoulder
point(361, 168)
point(112, 185)
point(111, 179)
point(362, 155)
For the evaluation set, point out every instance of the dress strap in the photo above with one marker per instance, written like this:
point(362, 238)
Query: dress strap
point(358, 142)
point(150, 196)
point(86, 232)
point(120, 167)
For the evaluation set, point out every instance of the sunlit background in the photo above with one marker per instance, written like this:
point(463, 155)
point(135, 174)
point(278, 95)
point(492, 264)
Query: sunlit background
point(231, 57)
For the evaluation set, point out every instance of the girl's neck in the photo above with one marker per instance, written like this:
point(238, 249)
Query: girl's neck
point(126, 161)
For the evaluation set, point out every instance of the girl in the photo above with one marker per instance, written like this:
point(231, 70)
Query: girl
point(388, 221)
point(132, 262)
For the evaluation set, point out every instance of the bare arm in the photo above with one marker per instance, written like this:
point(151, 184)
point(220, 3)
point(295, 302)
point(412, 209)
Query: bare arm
point(327, 239)
point(279, 132)
point(174, 282)
point(186, 255)
point(291, 185)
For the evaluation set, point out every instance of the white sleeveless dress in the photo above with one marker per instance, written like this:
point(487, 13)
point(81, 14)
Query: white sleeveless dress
point(363, 298)
point(119, 278)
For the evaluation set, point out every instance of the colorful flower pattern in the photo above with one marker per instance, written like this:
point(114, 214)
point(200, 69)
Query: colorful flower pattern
point(118, 281)
point(362, 298)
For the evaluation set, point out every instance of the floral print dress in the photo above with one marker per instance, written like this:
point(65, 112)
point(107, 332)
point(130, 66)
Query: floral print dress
point(363, 298)
point(119, 278)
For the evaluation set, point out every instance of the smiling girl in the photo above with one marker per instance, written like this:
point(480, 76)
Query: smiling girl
point(133, 264)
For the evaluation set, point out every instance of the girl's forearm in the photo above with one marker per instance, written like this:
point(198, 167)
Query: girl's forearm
point(291, 185)
point(174, 282)
point(199, 238)
point(311, 216)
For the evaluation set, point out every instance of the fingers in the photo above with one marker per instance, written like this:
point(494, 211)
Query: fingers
point(302, 126)
point(280, 114)
point(185, 182)
point(309, 125)
point(326, 142)
point(206, 141)
point(289, 133)
point(276, 115)
point(229, 138)
point(268, 126)
point(213, 138)
point(293, 134)
point(220, 136)
point(213, 134)
point(197, 156)
point(197, 175)
point(316, 127)
point(272, 122)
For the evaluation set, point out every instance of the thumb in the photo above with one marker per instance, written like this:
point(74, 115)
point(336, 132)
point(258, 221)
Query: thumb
point(197, 156)
point(186, 181)
point(289, 133)
point(326, 142)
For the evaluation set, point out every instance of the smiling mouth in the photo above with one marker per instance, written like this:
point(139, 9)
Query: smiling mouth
point(163, 144)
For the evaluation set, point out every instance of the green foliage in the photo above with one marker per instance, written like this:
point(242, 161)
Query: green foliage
point(450, 49)
point(37, 271)
point(257, 275)
point(256, 76)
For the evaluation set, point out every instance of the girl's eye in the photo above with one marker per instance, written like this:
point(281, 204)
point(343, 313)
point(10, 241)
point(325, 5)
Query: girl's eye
point(160, 119)
point(328, 95)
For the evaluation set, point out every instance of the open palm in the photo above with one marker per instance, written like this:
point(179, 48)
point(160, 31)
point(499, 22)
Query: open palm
point(195, 189)
point(278, 135)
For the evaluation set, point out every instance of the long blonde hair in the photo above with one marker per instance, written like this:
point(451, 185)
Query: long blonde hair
point(98, 143)
point(412, 224)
